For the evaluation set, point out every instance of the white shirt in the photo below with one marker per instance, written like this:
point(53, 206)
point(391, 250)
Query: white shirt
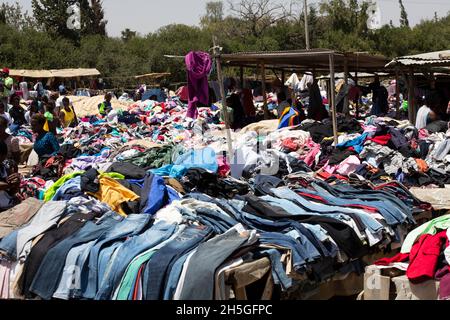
point(28, 117)
point(422, 116)
point(7, 117)
point(59, 103)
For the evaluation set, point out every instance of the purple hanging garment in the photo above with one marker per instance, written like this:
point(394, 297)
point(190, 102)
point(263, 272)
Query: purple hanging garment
point(198, 66)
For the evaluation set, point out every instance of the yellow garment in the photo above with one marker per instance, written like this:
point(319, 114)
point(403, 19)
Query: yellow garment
point(68, 117)
point(114, 194)
point(46, 127)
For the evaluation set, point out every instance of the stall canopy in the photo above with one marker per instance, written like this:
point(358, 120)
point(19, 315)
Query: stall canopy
point(153, 76)
point(317, 59)
point(429, 59)
point(429, 62)
point(54, 73)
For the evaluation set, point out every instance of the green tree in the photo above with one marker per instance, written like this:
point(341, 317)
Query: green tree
point(214, 13)
point(404, 22)
point(128, 34)
point(96, 21)
point(53, 16)
point(14, 15)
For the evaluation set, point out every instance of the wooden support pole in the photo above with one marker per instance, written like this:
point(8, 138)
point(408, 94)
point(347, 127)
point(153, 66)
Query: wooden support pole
point(357, 101)
point(241, 77)
point(397, 93)
point(346, 109)
point(224, 103)
point(332, 99)
point(411, 102)
point(264, 93)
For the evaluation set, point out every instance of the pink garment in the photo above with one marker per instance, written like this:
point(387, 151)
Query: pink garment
point(198, 66)
point(370, 128)
point(348, 166)
point(423, 134)
point(224, 167)
point(183, 93)
point(311, 156)
point(329, 169)
point(5, 269)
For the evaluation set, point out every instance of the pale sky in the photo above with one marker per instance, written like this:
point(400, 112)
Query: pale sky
point(147, 16)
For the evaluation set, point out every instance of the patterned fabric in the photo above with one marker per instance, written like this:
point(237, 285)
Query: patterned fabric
point(31, 188)
point(46, 144)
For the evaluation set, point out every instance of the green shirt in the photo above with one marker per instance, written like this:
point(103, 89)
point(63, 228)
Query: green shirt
point(432, 227)
point(8, 84)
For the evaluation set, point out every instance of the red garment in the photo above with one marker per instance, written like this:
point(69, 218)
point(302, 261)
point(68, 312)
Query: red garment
point(312, 196)
point(325, 175)
point(224, 167)
point(383, 140)
point(183, 93)
point(401, 257)
point(136, 284)
point(247, 103)
point(363, 207)
point(290, 144)
point(424, 257)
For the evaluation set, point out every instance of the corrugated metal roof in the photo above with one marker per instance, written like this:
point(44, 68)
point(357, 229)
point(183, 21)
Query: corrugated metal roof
point(317, 59)
point(437, 58)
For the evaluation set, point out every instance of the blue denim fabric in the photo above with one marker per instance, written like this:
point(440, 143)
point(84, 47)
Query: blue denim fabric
point(71, 279)
point(329, 248)
point(47, 278)
point(278, 270)
point(288, 206)
point(298, 255)
point(218, 220)
point(149, 253)
point(390, 203)
point(130, 249)
point(286, 193)
point(389, 211)
point(132, 225)
point(106, 255)
point(309, 250)
point(82, 265)
point(158, 268)
point(74, 184)
point(174, 276)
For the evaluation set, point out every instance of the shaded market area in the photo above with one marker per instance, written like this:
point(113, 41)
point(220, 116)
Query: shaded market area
point(306, 185)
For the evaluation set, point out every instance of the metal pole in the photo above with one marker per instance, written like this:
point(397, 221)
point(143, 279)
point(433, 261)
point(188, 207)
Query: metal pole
point(224, 102)
point(332, 99)
point(305, 11)
point(263, 79)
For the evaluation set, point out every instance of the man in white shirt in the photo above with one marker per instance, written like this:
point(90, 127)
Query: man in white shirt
point(422, 117)
point(59, 101)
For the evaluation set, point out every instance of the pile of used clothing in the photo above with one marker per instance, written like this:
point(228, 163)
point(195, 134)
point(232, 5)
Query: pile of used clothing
point(426, 253)
point(137, 205)
point(130, 234)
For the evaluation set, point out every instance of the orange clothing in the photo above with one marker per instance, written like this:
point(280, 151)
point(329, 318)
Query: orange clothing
point(423, 166)
point(114, 194)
